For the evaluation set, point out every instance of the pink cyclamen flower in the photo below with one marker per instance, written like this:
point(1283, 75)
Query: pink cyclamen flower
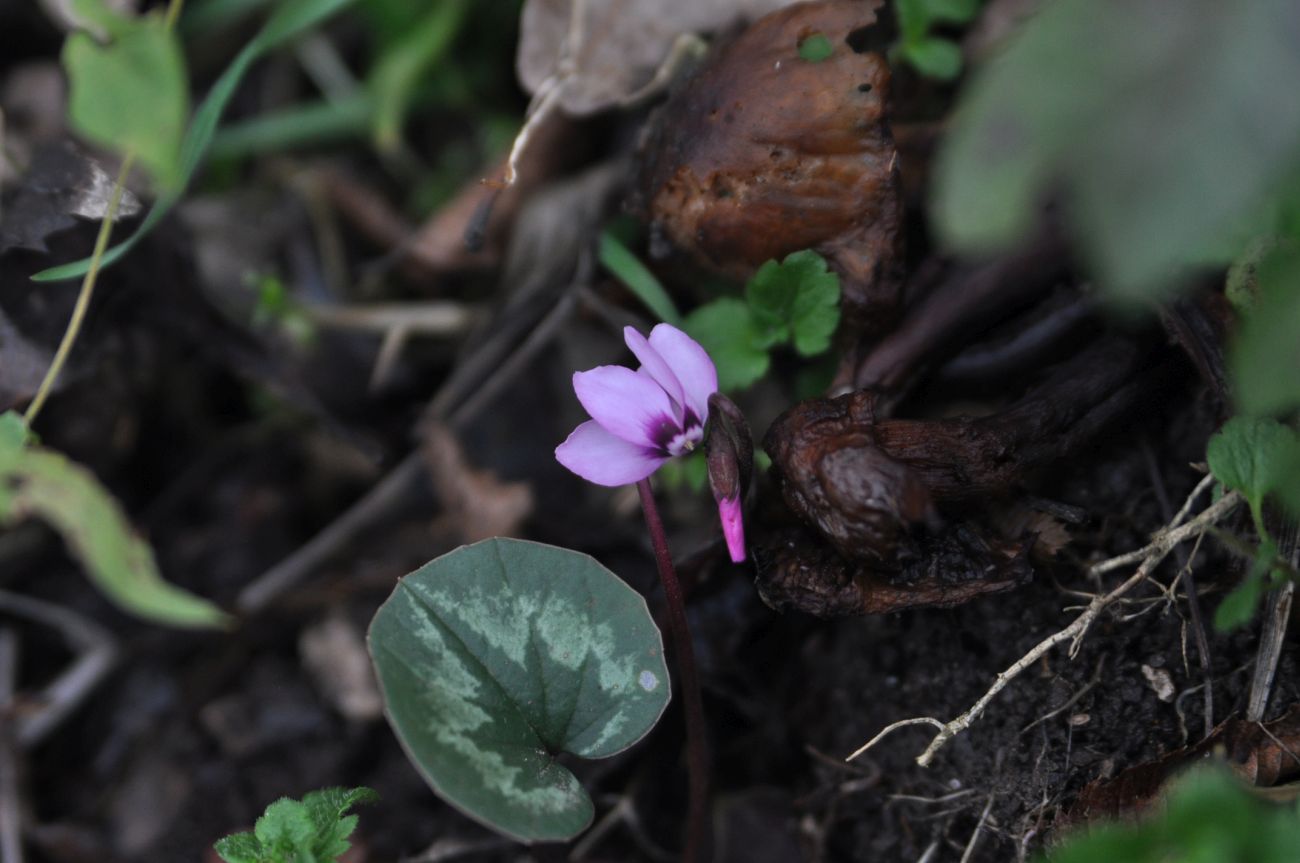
point(640, 419)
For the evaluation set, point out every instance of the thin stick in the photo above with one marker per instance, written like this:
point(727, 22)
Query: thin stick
point(979, 828)
point(888, 729)
point(1151, 555)
point(384, 496)
point(96, 653)
point(697, 747)
point(1135, 556)
point(92, 272)
point(436, 318)
point(1074, 699)
point(83, 296)
point(1193, 598)
point(11, 811)
point(173, 12)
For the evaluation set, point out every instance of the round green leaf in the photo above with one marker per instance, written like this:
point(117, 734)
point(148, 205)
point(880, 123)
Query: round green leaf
point(495, 658)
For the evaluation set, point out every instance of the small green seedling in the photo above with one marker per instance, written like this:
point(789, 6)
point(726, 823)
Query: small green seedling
point(794, 302)
point(497, 658)
point(1260, 458)
point(313, 830)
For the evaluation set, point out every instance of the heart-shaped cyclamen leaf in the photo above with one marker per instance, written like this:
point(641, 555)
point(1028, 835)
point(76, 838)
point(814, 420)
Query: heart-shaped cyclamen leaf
point(498, 656)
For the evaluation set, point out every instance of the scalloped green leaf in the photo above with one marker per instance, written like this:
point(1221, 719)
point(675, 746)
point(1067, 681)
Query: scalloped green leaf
point(796, 300)
point(729, 332)
point(1254, 456)
point(496, 658)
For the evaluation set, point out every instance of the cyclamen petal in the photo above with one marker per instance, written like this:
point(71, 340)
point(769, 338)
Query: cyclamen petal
point(691, 365)
point(733, 527)
point(598, 456)
point(655, 366)
point(629, 405)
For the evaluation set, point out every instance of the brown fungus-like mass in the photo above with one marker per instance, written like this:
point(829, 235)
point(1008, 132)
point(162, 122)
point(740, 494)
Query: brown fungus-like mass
point(895, 509)
point(764, 153)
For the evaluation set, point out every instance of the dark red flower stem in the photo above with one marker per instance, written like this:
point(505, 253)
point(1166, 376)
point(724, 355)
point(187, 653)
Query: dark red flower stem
point(697, 746)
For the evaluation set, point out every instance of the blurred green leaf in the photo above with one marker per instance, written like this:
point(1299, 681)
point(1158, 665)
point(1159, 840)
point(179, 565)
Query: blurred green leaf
point(13, 432)
point(934, 57)
point(1210, 817)
point(289, 19)
point(496, 658)
point(131, 94)
point(400, 69)
point(619, 260)
point(690, 472)
point(726, 328)
point(315, 830)
point(815, 48)
point(315, 123)
point(913, 19)
point(1162, 131)
point(203, 17)
point(951, 11)
point(1265, 356)
point(99, 19)
point(1238, 607)
point(796, 300)
point(42, 483)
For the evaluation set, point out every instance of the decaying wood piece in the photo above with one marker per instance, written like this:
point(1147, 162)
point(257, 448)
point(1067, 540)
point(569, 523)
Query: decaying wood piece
point(763, 153)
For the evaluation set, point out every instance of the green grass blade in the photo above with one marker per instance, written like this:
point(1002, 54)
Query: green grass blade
point(629, 270)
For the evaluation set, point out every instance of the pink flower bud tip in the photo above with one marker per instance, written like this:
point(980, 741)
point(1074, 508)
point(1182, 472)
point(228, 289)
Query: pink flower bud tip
point(733, 527)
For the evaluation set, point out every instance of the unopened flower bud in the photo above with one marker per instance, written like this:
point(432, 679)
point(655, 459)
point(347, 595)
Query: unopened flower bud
point(729, 453)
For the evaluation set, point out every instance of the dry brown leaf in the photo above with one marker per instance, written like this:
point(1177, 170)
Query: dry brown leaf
point(620, 43)
point(1262, 754)
point(333, 651)
point(476, 505)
